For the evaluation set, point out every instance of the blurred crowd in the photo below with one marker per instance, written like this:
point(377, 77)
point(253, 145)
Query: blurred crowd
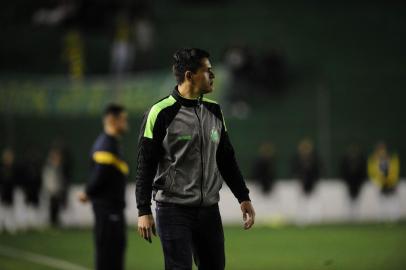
point(128, 24)
point(39, 179)
point(46, 181)
point(266, 72)
point(381, 167)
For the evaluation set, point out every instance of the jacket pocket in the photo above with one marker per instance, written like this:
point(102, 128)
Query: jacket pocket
point(170, 179)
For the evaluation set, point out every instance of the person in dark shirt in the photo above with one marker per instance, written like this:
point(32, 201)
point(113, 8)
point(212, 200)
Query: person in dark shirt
point(306, 166)
point(354, 174)
point(106, 190)
point(263, 168)
point(31, 180)
point(8, 181)
point(67, 166)
point(353, 170)
point(8, 177)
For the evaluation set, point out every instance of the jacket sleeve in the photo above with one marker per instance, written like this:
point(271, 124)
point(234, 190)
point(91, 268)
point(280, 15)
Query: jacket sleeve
point(149, 152)
point(228, 167)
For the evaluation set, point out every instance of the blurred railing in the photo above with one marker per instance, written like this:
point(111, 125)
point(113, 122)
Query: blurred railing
point(285, 205)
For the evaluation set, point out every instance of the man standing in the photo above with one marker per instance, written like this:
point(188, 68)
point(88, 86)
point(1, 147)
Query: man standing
point(106, 190)
point(184, 152)
point(9, 173)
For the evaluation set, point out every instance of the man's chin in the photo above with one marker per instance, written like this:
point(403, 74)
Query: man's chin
point(208, 90)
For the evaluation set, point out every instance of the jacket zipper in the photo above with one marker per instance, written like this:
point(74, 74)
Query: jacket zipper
point(201, 154)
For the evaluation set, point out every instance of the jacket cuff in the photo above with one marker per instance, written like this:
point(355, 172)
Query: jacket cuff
point(145, 210)
point(243, 198)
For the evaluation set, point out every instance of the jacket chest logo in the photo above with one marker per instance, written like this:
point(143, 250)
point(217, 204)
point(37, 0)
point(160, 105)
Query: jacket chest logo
point(214, 135)
point(184, 137)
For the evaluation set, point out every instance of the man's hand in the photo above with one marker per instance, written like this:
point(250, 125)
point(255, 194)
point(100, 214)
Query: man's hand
point(146, 227)
point(248, 214)
point(82, 197)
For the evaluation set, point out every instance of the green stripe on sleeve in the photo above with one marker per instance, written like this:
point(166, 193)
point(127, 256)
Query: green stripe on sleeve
point(153, 114)
point(224, 121)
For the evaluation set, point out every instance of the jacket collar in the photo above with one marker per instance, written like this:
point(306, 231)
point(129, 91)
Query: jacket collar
point(185, 101)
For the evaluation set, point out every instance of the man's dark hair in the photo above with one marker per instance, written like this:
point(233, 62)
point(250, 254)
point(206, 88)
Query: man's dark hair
point(113, 109)
point(187, 59)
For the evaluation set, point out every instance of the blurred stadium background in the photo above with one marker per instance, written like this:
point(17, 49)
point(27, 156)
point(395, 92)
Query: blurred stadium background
point(301, 82)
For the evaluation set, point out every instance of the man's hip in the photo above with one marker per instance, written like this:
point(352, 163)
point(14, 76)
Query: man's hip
point(191, 231)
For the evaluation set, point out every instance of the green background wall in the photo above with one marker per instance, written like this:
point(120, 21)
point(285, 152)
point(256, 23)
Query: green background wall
point(346, 61)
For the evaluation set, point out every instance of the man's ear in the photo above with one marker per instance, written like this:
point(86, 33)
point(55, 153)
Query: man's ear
point(188, 75)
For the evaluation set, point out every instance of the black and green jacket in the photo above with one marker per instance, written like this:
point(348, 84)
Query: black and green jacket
point(184, 153)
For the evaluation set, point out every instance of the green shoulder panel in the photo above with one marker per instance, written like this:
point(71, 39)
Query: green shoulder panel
point(209, 100)
point(153, 114)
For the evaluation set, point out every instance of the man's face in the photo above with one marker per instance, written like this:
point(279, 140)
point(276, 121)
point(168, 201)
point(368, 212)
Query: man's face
point(119, 123)
point(203, 79)
point(122, 122)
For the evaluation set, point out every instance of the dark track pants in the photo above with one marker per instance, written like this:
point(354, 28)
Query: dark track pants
point(187, 232)
point(110, 238)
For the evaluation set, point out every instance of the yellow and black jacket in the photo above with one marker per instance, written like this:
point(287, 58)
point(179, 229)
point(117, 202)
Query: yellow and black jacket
point(107, 182)
point(384, 172)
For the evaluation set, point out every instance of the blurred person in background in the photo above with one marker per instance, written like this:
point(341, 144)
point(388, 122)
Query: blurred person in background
point(184, 154)
point(8, 181)
point(106, 190)
point(240, 63)
point(272, 72)
point(122, 50)
point(69, 15)
point(8, 176)
point(32, 177)
point(306, 168)
point(354, 174)
point(53, 183)
point(67, 168)
point(263, 169)
point(383, 170)
point(31, 184)
point(144, 40)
